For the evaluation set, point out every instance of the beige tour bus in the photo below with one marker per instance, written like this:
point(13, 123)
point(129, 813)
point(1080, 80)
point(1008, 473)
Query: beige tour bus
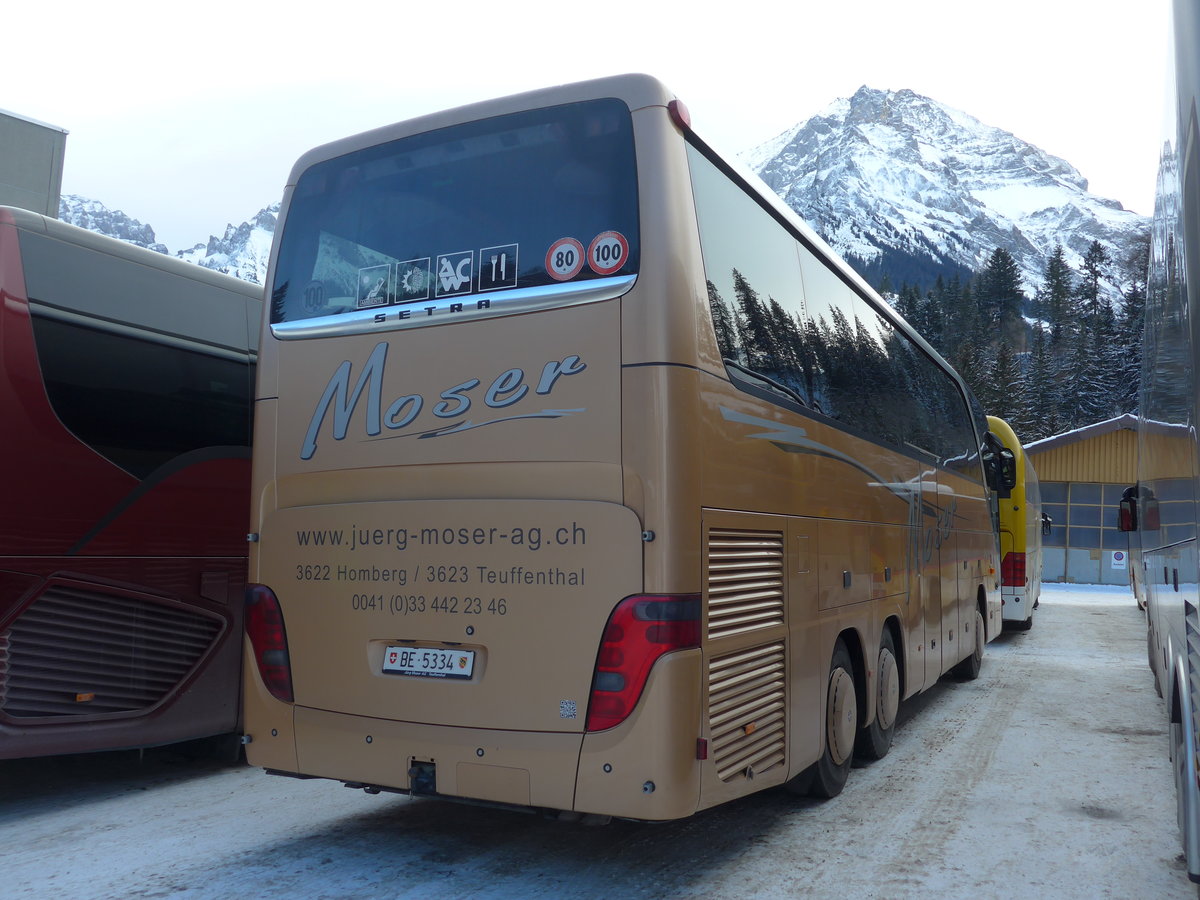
point(588, 479)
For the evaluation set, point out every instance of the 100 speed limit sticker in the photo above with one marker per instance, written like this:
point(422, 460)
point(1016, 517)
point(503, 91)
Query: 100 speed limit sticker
point(606, 254)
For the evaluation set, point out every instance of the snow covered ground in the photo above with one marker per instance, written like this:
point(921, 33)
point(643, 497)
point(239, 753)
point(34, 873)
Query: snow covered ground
point(1048, 777)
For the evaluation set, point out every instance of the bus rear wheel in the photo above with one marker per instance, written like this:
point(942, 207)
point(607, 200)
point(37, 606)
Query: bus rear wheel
point(830, 772)
point(875, 740)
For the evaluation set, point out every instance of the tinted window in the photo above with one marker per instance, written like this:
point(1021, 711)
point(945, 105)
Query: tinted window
point(463, 217)
point(780, 312)
point(141, 403)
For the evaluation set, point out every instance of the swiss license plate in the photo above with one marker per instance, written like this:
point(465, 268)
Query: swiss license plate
point(429, 662)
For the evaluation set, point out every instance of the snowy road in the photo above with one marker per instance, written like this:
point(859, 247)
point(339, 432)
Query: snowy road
point(1046, 778)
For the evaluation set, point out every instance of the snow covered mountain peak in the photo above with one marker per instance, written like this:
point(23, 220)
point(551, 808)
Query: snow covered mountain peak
point(95, 216)
point(244, 250)
point(894, 172)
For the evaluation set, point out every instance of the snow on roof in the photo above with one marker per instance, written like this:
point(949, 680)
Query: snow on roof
point(1128, 421)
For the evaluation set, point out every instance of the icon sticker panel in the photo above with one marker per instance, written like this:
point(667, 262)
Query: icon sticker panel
point(413, 280)
point(498, 267)
point(454, 273)
point(374, 286)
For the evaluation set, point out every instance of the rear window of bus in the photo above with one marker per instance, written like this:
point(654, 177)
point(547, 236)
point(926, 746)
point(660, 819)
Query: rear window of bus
point(467, 216)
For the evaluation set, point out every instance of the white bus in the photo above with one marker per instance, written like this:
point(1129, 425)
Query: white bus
point(1160, 511)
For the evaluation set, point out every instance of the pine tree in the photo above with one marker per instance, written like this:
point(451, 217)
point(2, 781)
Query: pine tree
point(968, 363)
point(1107, 364)
point(1131, 323)
point(1006, 385)
point(1084, 398)
point(724, 324)
point(931, 317)
point(1095, 269)
point(908, 304)
point(1056, 295)
point(960, 318)
point(1000, 296)
point(1039, 417)
point(754, 325)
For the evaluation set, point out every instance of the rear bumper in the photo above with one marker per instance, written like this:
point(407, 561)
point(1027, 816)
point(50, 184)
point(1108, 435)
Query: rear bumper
point(518, 768)
point(645, 768)
point(1017, 607)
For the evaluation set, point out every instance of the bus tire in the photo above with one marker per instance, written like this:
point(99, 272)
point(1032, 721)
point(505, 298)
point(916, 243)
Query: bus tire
point(830, 772)
point(875, 739)
point(1024, 626)
point(802, 783)
point(968, 669)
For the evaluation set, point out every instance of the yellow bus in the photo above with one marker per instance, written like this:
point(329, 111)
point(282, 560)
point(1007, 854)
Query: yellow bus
point(1021, 528)
point(588, 479)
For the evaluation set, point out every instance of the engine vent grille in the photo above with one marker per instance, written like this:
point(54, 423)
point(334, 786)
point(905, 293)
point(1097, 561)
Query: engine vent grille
point(746, 707)
point(82, 653)
point(745, 581)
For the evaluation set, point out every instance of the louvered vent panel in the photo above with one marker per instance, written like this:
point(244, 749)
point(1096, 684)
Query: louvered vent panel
point(746, 711)
point(745, 581)
point(126, 651)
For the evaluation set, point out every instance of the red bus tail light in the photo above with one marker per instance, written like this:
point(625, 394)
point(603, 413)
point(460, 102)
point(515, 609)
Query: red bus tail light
point(639, 631)
point(1012, 570)
point(264, 627)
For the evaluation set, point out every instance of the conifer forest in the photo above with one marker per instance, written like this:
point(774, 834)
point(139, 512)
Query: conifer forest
point(1068, 356)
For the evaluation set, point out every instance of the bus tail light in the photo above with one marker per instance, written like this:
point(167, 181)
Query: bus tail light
point(640, 630)
point(1012, 570)
point(264, 627)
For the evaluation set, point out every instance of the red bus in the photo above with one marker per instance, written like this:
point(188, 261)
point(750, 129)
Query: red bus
point(125, 380)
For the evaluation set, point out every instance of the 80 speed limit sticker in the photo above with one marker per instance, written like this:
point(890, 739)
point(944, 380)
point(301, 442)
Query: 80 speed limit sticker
point(607, 252)
point(564, 259)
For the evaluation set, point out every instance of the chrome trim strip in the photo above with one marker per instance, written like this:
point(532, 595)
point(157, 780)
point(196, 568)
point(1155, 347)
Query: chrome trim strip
point(150, 335)
point(437, 312)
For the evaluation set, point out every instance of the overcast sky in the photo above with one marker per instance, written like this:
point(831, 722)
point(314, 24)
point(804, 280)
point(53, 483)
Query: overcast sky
point(189, 116)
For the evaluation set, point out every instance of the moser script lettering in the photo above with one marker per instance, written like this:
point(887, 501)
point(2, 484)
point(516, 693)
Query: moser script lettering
point(506, 389)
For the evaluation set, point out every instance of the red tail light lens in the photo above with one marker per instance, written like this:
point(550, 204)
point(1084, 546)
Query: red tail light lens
point(264, 627)
point(639, 631)
point(1012, 570)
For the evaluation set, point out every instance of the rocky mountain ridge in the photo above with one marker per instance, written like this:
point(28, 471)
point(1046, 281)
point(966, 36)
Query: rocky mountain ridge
point(893, 172)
